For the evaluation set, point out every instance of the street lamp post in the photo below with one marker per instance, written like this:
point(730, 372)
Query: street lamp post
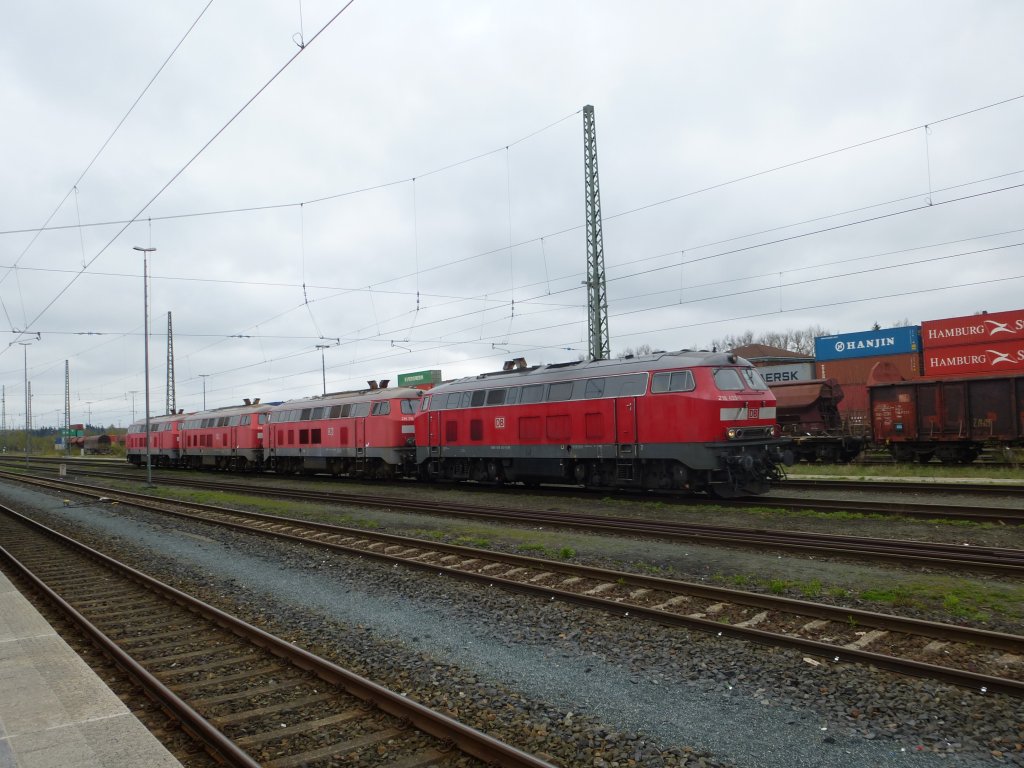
point(203, 377)
point(28, 400)
point(145, 324)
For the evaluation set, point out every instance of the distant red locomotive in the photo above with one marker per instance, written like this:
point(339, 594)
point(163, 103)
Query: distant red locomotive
point(368, 433)
point(164, 441)
point(226, 438)
point(697, 420)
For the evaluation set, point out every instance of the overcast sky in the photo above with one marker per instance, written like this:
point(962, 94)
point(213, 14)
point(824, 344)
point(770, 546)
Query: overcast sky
point(713, 222)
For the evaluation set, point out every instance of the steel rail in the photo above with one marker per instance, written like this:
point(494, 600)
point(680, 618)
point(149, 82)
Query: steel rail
point(976, 681)
point(991, 559)
point(440, 726)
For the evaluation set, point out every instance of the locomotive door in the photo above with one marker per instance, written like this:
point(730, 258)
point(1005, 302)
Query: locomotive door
point(359, 428)
point(434, 432)
point(625, 426)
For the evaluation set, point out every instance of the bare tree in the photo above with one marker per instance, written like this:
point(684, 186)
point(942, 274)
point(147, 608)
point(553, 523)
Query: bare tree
point(800, 340)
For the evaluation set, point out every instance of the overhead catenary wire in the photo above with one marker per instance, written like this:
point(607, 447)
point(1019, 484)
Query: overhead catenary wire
point(187, 164)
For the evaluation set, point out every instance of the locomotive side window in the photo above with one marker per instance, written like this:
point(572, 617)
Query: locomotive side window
point(426, 404)
point(633, 385)
point(673, 381)
point(306, 414)
point(335, 412)
point(727, 379)
point(264, 417)
point(466, 397)
point(594, 388)
point(453, 400)
point(315, 436)
point(560, 391)
point(346, 410)
point(754, 379)
point(532, 393)
point(361, 409)
point(512, 397)
point(478, 398)
point(408, 407)
point(496, 397)
point(246, 420)
point(381, 408)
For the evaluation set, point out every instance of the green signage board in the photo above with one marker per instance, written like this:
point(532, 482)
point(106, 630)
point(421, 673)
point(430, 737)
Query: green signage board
point(419, 377)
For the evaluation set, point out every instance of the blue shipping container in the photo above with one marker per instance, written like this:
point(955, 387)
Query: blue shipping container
point(888, 341)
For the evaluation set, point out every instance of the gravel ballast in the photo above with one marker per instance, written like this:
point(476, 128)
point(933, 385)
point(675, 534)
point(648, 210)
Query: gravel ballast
point(583, 687)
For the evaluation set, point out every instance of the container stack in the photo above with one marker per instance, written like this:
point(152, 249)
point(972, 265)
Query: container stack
point(849, 357)
point(975, 344)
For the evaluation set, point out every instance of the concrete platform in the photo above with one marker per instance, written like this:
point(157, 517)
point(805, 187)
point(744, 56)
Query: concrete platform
point(54, 711)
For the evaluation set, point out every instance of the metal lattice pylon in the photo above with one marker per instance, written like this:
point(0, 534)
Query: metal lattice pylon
point(598, 344)
point(171, 405)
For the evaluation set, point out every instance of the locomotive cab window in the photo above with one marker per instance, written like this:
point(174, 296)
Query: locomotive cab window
point(673, 381)
point(728, 379)
point(426, 404)
point(408, 407)
point(754, 380)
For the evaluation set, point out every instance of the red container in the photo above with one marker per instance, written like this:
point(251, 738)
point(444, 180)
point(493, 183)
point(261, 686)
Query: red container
point(856, 370)
point(998, 327)
point(1003, 357)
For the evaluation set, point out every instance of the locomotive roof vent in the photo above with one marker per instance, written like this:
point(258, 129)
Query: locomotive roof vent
point(516, 364)
point(383, 383)
point(247, 401)
point(372, 384)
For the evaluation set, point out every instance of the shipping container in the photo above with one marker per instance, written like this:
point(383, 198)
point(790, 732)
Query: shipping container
point(789, 373)
point(973, 329)
point(857, 370)
point(887, 341)
point(993, 357)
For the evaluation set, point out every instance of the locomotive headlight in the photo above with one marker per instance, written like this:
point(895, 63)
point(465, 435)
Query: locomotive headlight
point(732, 433)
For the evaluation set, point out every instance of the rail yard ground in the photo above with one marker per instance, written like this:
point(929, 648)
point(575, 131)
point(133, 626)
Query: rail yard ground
point(607, 691)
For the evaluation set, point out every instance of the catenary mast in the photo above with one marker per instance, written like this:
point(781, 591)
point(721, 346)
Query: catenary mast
point(598, 344)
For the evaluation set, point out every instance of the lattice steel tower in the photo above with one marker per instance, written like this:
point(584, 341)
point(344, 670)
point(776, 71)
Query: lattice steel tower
point(598, 345)
point(170, 367)
point(67, 408)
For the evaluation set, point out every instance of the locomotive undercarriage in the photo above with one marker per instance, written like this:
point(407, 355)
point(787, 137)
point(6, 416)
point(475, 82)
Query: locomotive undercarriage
point(746, 471)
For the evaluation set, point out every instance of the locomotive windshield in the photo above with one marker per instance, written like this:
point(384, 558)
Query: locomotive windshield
point(754, 379)
point(728, 379)
point(734, 379)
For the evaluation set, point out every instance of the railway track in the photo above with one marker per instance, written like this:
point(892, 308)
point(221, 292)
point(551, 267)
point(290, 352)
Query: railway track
point(1005, 515)
point(250, 698)
point(978, 659)
point(988, 559)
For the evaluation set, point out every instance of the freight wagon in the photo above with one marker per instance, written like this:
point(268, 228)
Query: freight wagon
point(808, 413)
point(951, 419)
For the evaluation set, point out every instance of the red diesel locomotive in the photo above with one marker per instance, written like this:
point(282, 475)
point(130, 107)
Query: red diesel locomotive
point(225, 438)
point(368, 433)
point(695, 420)
point(164, 441)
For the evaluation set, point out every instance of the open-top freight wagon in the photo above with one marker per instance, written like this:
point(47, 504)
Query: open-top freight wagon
point(951, 419)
